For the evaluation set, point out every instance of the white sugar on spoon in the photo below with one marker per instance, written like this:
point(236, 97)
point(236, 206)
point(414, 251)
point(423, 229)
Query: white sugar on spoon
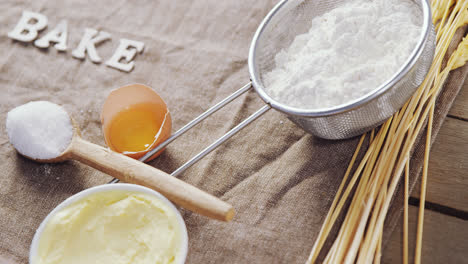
point(44, 132)
point(39, 130)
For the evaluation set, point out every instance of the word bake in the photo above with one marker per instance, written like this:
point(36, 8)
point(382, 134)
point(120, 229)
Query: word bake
point(31, 23)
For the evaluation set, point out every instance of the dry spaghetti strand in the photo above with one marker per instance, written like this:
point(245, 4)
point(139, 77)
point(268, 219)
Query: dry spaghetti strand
point(387, 158)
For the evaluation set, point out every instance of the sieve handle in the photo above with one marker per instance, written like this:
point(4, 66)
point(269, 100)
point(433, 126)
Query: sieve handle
point(221, 140)
point(194, 122)
point(200, 118)
point(197, 120)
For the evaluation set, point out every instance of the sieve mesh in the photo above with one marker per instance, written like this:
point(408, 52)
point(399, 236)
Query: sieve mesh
point(293, 17)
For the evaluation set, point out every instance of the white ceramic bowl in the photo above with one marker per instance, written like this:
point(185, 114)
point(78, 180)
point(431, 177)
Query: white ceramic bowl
point(108, 187)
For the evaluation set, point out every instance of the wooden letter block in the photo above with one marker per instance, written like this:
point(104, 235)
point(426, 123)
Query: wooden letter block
point(58, 35)
point(28, 27)
point(88, 43)
point(127, 50)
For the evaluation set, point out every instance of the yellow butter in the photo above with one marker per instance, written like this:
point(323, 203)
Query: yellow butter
point(112, 227)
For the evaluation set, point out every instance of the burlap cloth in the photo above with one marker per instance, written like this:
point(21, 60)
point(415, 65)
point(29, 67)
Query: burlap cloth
point(280, 179)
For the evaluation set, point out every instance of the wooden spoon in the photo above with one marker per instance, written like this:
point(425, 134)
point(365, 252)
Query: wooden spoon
point(132, 171)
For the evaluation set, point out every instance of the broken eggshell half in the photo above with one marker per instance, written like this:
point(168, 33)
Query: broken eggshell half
point(126, 97)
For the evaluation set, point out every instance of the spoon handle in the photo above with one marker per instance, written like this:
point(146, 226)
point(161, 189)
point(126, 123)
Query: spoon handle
point(132, 171)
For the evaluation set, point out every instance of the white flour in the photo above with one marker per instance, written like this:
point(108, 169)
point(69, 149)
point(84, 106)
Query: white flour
point(39, 129)
point(347, 53)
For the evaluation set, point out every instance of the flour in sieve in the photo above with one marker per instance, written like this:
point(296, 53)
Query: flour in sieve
point(347, 53)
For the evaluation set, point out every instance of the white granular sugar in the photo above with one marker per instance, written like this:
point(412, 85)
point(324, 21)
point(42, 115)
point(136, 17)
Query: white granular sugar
point(347, 53)
point(39, 130)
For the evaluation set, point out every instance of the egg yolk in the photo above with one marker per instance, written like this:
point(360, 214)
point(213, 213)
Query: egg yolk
point(136, 128)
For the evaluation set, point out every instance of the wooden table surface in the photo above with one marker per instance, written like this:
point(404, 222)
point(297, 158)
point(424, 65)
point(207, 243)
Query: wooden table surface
point(445, 236)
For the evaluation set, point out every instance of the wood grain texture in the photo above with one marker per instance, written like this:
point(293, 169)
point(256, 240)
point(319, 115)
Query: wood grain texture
point(444, 239)
point(448, 167)
point(132, 171)
point(460, 105)
point(444, 236)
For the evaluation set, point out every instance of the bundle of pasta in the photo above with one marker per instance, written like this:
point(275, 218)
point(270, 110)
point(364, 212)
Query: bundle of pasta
point(387, 158)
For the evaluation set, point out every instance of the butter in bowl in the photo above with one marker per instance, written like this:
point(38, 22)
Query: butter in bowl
point(115, 223)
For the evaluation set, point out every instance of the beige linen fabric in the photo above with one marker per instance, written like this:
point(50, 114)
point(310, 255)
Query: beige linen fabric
point(280, 179)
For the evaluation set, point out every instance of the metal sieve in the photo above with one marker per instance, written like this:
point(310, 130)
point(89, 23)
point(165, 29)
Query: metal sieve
point(291, 18)
point(283, 23)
